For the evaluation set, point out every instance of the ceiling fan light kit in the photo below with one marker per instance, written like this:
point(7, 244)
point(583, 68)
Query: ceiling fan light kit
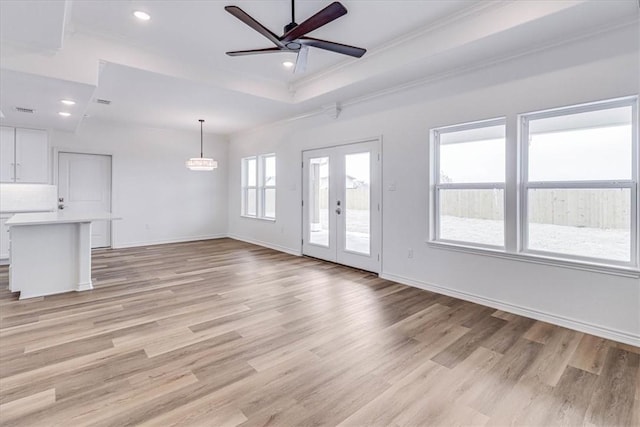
point(294, 38)
point(201, 163)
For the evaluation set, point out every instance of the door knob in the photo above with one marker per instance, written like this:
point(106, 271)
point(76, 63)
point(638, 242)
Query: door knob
point(338, 211)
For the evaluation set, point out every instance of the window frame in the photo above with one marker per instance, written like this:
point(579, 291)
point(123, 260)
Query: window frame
point(260, 186)
point(525, 185)
point(436, 186)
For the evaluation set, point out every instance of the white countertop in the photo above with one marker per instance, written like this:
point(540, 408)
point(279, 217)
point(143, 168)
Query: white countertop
point(59, 217)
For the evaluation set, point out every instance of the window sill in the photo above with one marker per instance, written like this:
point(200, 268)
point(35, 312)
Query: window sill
point(540, 259)
point(258, 218)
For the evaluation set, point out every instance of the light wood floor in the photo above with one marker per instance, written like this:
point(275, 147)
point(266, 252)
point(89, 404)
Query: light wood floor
point(223, 333)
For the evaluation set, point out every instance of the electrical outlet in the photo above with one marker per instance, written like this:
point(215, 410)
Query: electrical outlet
point(410, 253)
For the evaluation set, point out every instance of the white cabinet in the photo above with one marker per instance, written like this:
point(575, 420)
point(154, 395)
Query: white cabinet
point(24, 155)
point(4, 238)
point(7, 154)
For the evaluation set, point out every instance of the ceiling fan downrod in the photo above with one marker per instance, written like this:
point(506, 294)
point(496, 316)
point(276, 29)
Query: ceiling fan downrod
point(291, 25)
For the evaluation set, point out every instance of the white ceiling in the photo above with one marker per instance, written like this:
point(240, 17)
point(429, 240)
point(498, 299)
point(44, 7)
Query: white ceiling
point(172, 70)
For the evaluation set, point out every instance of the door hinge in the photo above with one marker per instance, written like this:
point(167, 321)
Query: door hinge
point(302, 202)
point(302, 164)
point(378, 156)
point(378, 257)
point(302, 241)
point(378, 207)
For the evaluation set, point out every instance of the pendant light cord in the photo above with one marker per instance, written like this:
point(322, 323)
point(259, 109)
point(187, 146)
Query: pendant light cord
point(293, 11)
point(201, 153)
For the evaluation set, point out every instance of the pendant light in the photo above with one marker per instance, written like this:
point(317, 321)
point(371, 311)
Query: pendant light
point(201, 163)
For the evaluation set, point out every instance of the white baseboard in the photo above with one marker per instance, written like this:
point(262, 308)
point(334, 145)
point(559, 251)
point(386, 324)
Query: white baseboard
point(578, 325)
point(165, 241)
point(296, 252)
point(84, 286)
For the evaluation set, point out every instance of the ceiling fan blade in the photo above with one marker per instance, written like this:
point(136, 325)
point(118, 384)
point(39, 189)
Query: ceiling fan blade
point(254, 51)
point(334, 11)
point(301, 61)
point(247, 19)
point(333, 47)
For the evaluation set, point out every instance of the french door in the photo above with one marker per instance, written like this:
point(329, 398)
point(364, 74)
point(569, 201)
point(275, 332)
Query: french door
point(341, 204)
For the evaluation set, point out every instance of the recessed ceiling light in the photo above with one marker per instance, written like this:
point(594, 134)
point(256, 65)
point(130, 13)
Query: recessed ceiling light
point(288, 64)
point(68, 102)
point(64, 113)
point(143, 16)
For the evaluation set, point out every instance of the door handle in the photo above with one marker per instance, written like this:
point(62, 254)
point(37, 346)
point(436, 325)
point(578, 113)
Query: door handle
point(338, 211)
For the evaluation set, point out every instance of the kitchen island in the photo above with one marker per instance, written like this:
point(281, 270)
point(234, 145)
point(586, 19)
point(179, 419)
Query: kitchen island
point(50, 252)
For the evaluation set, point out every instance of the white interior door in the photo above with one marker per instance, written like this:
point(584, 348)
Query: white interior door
point(341, 204)
point(84, 185)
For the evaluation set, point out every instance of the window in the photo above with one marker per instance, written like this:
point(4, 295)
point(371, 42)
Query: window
point(566, 194)
point(259, 186)
point(469, 183)
point(579, 195)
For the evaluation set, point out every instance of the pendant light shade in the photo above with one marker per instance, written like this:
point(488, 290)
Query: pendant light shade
point(201, 163)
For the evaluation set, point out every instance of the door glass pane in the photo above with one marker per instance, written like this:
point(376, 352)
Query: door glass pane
point(318, 204)
point(593, 223)
point(475, 216)
point(357, 207)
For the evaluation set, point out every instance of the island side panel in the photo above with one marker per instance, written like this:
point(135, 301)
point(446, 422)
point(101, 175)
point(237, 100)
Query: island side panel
point(44, 259)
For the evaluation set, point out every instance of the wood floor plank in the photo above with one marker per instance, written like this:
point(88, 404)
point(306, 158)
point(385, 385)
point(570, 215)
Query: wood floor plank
point(225, 333)
point(21, 407)
point(613, 400)
point(590, 354)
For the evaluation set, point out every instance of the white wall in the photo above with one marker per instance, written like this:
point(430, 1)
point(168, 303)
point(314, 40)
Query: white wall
point(597, 68)
point(159, 199)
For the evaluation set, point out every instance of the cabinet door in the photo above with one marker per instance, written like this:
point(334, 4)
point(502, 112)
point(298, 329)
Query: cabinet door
point(4, 238)
point(32, 156)
point(7, 154)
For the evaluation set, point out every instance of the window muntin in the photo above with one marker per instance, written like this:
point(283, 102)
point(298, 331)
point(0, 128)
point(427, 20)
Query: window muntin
point(579, 183)
point(469, 183)
point(259, 186)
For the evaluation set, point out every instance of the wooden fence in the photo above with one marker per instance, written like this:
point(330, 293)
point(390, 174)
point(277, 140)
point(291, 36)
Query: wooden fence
point(597, 208)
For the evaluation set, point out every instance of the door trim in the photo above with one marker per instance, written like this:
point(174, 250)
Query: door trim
point(377, 139)
point(56, 154)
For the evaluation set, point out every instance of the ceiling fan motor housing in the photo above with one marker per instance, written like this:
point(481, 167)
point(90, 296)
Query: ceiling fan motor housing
point(290, 26)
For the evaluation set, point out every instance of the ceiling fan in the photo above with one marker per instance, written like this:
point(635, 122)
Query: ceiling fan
point(294, 38)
